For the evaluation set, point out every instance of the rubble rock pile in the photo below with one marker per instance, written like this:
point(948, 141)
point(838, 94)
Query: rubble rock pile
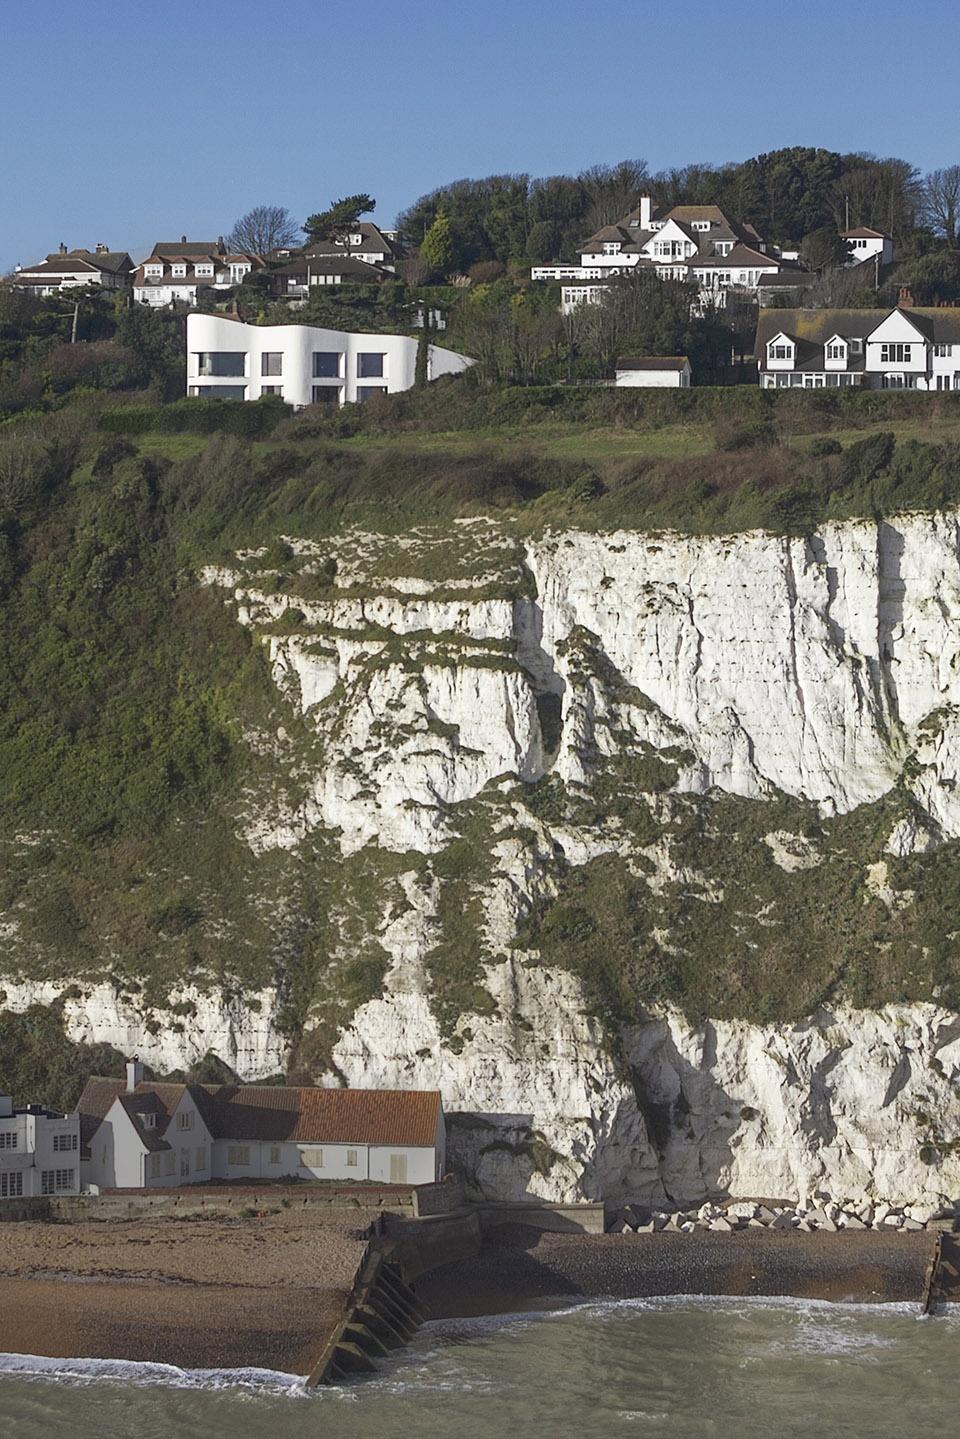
point(820, 1213)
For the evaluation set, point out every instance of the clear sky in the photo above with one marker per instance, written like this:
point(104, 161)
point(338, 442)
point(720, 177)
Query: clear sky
point(133, 124)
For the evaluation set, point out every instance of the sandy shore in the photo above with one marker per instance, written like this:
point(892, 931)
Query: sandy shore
point(200, 1293)
point(522, 1269)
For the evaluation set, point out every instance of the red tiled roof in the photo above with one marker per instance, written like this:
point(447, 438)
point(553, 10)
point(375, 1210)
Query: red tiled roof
point(252, 1111)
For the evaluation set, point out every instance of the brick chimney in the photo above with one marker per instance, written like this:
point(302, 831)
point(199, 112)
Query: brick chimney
point(134, 1074)
point(905, 299)
point(63, 248)
point(646, 212)
point(102, 250)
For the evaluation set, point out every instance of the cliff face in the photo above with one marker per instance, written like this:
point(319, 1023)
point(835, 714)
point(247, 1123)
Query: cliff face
point(670, 824)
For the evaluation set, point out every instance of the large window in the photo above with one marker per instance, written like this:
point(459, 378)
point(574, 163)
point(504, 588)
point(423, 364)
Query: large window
point(271, 389)
point(271, 363)
point(311, 1158)
point(238, 1155)
point(899, 382)
point(11, 1183)
point(365, 391)
point(56, 1181)
point(219, 392)
point(64, 1142)
point(895, 354)
point(781, 352)
point(325, 395)
point(942, 352)
point(326, 364)
point(370, 366)
point(222, 362)
point(836, 352)
point(8, 1140)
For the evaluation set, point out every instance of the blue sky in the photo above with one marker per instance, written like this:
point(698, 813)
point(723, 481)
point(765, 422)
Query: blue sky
point(128, 126)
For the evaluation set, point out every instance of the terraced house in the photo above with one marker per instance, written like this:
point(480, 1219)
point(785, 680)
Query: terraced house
point(910, 347)
point(141, 1135)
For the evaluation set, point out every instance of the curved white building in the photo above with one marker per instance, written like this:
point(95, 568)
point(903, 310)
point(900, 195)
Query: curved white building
point(303, 363)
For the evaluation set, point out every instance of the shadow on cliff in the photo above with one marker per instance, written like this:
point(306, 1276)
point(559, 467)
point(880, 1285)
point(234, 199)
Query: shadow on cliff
point(691, 1120)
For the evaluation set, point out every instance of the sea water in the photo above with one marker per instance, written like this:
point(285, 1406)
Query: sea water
point(687, 1368)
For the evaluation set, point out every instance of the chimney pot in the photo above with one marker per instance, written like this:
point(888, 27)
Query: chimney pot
point(906, 299)
point(63, 248)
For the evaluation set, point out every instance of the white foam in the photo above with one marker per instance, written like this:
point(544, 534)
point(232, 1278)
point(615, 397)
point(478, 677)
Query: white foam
point(129, 1371)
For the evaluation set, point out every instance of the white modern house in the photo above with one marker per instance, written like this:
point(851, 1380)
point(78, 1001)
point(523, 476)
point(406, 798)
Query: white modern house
point(698, 243)
point(653, 371)
point(74, 269)
point(39, 1151)
point(911, 347)
point(303, 364)
point(176, 269)
point(140, 1135)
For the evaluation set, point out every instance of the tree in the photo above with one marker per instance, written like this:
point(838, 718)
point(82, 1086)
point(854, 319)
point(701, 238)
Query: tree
point(438, 250)
point(940, 202)
point(342, 215)
point(422, 371)
point(824, 249)
point(262, 229)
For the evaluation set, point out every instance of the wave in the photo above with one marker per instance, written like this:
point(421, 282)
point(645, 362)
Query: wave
point(146, 1374)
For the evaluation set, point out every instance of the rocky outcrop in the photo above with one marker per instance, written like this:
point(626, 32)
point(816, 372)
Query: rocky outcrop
point(440, 677)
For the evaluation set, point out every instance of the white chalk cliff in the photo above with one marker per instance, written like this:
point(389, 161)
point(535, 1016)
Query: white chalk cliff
point(437, 670)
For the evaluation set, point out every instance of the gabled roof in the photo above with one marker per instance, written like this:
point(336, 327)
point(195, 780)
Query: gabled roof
point(115, 262)
point(171, 248)
point(319, 1116)
point(863, 232)
point(740, 257)
point(59, 265)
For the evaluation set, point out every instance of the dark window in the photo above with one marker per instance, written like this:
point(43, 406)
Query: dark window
point(326, 365)
point(370, 367)
point(221, 392)
point(271, 363)
point(326, 394)
point(365, 391)
point(223, 362)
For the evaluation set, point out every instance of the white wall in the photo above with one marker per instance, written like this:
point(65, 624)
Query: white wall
point(35, 1152)
point(297, 344)
point(420, 1164)
point(653, 379)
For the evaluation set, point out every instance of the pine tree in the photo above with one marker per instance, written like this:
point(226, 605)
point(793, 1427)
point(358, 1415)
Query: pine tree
point(438, 248)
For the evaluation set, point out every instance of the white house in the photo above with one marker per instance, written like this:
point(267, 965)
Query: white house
point(140, 1135)
point(39, 1151)
point(698, 243)
point(304, 364)
point(176, 269)
point(657, 371)
point(866, 244)
point(73, 269)
point(911, 347)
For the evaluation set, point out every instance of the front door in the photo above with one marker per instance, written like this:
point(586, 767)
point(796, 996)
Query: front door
point(184, 1163)
point(398, 1169)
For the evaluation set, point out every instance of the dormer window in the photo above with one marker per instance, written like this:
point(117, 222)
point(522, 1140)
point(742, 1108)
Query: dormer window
point(779, 348)
point(836, 350)
point(611, 247)
point(153, 270)
point(149, 1121)
point(856, 347)
point(356, 239)
point(204, 270)
point(179, 272)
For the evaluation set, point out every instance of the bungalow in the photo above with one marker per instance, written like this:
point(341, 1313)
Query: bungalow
point(175, 270)
point(39, 1151)
point(141, 1135)
point(910, 347)
point(72, 269)
point(663, 371)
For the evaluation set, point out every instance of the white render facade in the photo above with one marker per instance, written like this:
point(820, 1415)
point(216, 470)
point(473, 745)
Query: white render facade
point(907, 348)
point(671, 372)
point(146, 1136)
point(39, 1151)
point(303, 364)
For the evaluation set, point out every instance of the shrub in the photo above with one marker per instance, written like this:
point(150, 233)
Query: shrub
point(824, 445)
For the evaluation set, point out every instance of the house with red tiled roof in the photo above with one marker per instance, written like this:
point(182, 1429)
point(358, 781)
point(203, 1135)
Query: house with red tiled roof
point(137, 1134)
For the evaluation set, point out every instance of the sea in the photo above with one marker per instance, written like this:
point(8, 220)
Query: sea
point(682, 1367)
